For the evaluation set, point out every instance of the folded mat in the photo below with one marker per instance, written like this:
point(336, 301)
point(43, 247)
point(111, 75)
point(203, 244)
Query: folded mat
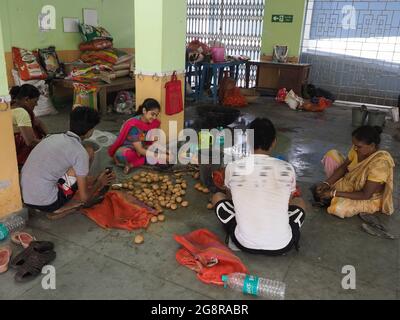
point(203, 253)
point(116, 211)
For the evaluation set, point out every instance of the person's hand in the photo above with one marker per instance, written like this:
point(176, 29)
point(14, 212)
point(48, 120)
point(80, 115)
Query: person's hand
point(106, 178)
point(322, 188)
point(327, 194)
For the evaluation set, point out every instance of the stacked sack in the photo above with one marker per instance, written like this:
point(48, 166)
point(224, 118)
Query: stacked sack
point(97, 51)
point(28, 70)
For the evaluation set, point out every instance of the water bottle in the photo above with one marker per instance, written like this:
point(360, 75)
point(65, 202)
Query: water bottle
point(221, 136)
point(271, 289)
point(13, 224)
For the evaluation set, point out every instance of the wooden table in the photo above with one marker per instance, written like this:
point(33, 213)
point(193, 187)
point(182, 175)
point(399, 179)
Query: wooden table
point(272, 76)
point(120, 84)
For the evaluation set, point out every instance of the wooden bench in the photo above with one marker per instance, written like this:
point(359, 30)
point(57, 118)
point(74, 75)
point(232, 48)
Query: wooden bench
point(120, 84)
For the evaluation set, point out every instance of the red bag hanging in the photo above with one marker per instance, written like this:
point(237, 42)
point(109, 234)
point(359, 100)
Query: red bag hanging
point(173, 99)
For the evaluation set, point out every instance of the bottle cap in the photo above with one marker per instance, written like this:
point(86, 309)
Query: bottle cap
point(225, 280)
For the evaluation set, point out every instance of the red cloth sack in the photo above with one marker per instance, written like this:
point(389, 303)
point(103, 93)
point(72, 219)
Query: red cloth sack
point(203, 253)
point(173, 96)
point(27, 64)
point(117, 212)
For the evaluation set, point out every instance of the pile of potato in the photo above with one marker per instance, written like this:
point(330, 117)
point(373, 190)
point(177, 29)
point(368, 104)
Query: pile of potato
point(158, 191)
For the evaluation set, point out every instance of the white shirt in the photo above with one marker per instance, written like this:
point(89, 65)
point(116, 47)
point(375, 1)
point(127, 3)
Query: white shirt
point(261, 187)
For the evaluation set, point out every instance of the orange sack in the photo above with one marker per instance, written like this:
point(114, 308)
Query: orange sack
point(203, 253)
point(116, 212)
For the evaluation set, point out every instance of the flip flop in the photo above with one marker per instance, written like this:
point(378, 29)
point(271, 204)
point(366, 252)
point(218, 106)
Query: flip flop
point(22, 238)
point(5, 256)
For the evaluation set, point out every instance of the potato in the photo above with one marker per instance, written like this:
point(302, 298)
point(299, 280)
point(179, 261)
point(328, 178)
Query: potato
point(125, 186)
point(174, 206)
point(183, 192)
point(161, 218)
point(184, 185)
point(179, 181)
point(143, 180)
point(139, 239)
point(147, 191)
point(210, 206)
point(131, 187)
point(143, 174)
point(185, 204)
point(179, 199)
point(150, 204)
point(155, 186)
point(168, 205)
point(169, 183)
point(176, 191)
point(154, 219)
point(163, 203)
point(136, 178)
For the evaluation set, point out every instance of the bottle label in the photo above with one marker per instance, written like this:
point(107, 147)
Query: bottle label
point(250, 285)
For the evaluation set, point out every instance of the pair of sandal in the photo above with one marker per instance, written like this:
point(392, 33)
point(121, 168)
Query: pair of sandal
point(30, 262)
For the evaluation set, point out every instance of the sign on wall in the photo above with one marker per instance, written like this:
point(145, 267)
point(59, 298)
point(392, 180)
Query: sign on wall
point(282, 18)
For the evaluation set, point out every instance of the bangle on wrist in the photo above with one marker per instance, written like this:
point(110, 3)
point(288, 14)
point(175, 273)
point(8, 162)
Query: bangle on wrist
point(327, 183)
point(333, 193)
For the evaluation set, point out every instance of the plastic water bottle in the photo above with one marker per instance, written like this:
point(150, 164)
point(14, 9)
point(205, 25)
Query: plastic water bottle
point(221, 136)
point(13, 224)
point(271, 289)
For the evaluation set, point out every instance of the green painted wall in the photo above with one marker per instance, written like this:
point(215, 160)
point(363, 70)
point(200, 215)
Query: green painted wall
point(160, 35)
point(20, 22)
point(3, 73)
point(289, 34)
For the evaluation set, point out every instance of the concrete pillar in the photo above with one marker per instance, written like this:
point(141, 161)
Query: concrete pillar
point(160, 38)
point(10, 196)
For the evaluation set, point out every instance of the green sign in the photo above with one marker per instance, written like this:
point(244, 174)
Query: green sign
point(282, 18)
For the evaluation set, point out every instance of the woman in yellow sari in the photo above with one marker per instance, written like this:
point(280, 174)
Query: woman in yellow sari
point(362, 182)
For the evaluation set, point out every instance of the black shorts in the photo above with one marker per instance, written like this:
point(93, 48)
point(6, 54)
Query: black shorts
point(61, 201)
point(225, 212)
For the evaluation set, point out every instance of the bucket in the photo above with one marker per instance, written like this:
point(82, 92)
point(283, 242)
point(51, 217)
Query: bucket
point(218, 54)
point(358, 116)
point(376, 118)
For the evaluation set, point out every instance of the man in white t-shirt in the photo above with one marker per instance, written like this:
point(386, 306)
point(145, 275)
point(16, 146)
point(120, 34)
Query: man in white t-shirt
point(259, 212)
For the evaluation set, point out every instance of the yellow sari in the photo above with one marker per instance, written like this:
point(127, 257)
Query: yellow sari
point(378, 168)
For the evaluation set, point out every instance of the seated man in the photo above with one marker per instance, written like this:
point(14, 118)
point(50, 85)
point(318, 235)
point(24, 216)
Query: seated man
point(260, 216)
point(59, 165)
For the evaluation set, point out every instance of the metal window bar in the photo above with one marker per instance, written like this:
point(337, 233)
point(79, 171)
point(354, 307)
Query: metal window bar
point(238, 24)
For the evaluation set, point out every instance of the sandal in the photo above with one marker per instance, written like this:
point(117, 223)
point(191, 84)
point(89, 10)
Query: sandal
point(22, 238)
point(5, 256)
point(35, 246)
point(34, 265)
